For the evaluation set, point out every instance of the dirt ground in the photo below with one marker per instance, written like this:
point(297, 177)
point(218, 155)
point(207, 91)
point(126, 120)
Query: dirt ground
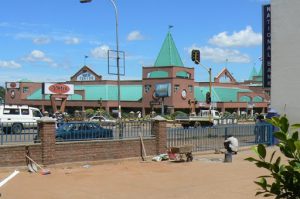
point(206, 177)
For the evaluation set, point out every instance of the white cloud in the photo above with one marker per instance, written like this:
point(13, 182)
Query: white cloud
point(220, 55)
point(135, 35)
point(9, 64)
point(39, 56)
point(100, 52)
point(41, 40)
point(243, 38)
point(72, 40)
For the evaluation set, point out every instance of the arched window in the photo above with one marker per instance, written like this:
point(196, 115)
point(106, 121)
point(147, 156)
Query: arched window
point(158, 74)
point(257, 99)
point(245, 99)
point(183, 74)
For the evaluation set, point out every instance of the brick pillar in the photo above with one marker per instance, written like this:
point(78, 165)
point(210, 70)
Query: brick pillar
point(160, 132)
point(47, 135)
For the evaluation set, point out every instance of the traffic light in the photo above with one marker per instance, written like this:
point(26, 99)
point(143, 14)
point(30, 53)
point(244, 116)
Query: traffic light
point(195, 56)
point(208, 98)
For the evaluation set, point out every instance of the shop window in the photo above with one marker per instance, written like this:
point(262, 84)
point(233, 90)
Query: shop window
point(25, 89)
point(176, 88)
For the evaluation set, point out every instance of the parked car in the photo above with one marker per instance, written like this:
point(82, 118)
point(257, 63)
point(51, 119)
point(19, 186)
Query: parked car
point(103, 120)
point(80, 131)
point(15, 118)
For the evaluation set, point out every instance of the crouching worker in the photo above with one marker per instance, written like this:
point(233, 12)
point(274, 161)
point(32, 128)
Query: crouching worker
point(231, 144)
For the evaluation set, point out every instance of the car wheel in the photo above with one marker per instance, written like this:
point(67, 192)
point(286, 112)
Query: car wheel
point(17, 128)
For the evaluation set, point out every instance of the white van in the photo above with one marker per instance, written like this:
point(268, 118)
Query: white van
point(15, 118)
point(214, 114)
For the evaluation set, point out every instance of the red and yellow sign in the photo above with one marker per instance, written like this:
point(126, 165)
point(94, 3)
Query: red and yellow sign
point(58, 88)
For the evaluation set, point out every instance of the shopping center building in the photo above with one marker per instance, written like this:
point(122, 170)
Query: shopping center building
point(168, 84)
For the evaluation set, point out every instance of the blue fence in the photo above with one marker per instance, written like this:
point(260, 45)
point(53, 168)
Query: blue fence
point(212, 138)
point(71, 131)
point(10, 133)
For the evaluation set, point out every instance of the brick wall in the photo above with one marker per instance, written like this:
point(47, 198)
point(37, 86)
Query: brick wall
point(48, 152)
point(15, 155)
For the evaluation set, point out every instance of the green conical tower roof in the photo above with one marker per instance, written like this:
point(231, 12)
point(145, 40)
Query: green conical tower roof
point(253, 73)
point(168, 54)
point(260, 72)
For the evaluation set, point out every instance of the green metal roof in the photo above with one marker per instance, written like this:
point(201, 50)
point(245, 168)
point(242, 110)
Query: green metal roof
point(168, 54)
point(158, 74)
point(260, 72)
point(219, 94)
point(37, 95)
point(25, 80)
point(95, 92)
point(253, 73)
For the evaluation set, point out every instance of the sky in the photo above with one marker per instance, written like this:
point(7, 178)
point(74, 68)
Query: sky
point(49, 41)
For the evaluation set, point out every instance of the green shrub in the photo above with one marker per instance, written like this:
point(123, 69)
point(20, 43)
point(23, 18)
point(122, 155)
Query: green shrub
point(284, 178)
point(176, 113)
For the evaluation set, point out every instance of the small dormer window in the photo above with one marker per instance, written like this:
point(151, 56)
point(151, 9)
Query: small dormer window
point(176, 88)
point(147, 88)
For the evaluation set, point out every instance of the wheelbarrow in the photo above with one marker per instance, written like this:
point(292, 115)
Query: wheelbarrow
point(177, 153)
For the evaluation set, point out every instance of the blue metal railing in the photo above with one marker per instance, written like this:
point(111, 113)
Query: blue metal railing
point(212, 138)
point(28, 132)
point(71, 131)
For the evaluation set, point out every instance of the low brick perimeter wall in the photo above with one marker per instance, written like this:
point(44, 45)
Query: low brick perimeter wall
point(48, 152)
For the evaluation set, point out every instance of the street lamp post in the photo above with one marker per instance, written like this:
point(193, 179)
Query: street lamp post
point(118, 57)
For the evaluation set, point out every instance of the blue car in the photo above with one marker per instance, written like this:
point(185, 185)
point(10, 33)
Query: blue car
point(82, 131)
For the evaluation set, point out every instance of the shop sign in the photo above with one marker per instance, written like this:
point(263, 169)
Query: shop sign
point(58, 88)
point(266, 9)
point(12, 85)
point(86, 76)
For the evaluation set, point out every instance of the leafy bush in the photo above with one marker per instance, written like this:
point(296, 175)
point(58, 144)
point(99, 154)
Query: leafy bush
point(178, 113)
point(285, 178)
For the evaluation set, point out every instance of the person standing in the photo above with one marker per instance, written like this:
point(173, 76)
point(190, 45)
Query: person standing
point(260, 129)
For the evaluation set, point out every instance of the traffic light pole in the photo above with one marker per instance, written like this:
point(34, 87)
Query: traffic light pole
point(210, 87)
point(196, 59)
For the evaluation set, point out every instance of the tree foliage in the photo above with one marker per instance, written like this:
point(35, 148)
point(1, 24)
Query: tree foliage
point(284, 179)
point(2, 92)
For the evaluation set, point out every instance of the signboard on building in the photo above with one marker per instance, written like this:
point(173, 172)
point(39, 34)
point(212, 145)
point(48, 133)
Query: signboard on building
point(266, 13)
point(12, 85)
point(163, 90)
point(86, 76)
point(58, 88)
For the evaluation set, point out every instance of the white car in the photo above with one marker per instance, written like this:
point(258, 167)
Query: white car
point(103, 120)
point(15, 118)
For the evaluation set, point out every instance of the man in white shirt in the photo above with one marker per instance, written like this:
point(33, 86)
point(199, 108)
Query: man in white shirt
point(231, 144)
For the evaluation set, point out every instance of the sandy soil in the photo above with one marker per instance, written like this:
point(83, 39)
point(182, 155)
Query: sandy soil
point(206, 177)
